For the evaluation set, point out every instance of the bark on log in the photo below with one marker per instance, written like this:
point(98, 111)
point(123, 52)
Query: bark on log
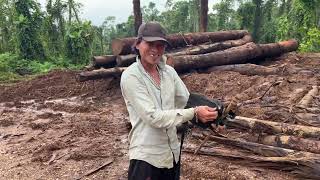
point(106, 61)
point(126, 60)
point(301, 164)
point(246, 69)
point(269, 127)
point(295, 95)
point(124, 46)
point(235, 55)
point(308, 97)
point(100, 73)
point(207, 48)
point(260, 149)
point(292, 142)
point(106, 73)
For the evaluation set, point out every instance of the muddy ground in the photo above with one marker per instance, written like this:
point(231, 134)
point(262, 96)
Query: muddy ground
point(54, 127)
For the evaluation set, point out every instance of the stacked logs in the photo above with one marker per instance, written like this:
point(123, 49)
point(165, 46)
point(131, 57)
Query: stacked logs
point(189, 51)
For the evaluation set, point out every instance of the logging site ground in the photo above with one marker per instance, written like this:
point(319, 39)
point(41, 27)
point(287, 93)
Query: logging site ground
point(54, 127)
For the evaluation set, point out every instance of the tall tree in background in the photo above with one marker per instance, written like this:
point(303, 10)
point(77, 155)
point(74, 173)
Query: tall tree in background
point(150, 12)
point(6, 26)
point(137, 15)
point(224, 14)
point(55, 25)
point(257, 19)
point(194, 15)
point(73, 7)
point(203, 15)
point(29, 22)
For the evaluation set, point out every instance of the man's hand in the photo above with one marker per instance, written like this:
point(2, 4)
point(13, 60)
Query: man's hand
point(206, 113)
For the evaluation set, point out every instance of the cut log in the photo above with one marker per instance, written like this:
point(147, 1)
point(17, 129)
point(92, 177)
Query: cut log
point(269, 127)
point(100, 73)
point(106, 73)
point(126, 60)
point(124, 46)
point(235, 55)
point(292, 142)
point(301, 164)
point(308, 97)
point(246, 69)
point(106, 61)
point(295, 95)
point(260, 149)
point(207, 48)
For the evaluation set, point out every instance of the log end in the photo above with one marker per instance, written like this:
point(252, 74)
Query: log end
point(289, 45)
point(117, 46)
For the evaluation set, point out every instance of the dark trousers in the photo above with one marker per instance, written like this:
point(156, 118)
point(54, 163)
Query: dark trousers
point(141, 170)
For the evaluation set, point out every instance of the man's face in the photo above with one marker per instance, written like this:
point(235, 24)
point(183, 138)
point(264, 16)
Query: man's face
point(151, 52)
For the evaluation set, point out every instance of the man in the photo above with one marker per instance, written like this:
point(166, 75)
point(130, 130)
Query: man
point(155, 97)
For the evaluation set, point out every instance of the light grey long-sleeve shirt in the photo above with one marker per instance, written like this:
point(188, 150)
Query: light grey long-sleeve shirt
point(154, 112)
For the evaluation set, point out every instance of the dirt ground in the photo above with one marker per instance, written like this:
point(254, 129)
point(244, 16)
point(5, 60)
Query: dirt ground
point(54, 127)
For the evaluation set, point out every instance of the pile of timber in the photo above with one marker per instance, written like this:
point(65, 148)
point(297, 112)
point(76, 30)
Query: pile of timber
point(189, 51)
point(281, 146)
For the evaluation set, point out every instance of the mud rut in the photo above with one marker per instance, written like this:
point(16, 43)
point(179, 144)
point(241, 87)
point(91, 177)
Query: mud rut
point(53, 127)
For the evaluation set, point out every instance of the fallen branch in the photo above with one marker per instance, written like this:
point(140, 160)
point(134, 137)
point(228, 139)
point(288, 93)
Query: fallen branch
point(95, 169)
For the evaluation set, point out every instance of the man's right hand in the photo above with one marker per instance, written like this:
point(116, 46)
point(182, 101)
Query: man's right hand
point(206, 114)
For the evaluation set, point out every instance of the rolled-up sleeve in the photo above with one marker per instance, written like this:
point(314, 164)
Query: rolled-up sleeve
point(136, 95)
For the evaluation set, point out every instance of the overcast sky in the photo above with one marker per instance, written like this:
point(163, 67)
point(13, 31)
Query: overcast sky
point(98, 10)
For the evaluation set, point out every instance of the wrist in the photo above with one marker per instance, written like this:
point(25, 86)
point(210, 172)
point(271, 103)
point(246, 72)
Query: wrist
point(196, 109)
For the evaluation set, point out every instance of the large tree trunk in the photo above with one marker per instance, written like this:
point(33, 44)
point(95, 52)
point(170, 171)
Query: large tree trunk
point(207, 48)
point(203, 15)
point(233, 55)
point(106, 61)
point(269, 127)
point(100, 73)
point(246, 69)
point(124, 46)
point(137, 15)
point(253, 69)
point(292, 142)
point(237, 55)
point(126, 60)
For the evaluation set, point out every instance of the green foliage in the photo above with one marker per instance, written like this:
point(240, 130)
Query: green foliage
point(245, 16)
point(28, 23)
point(79, 41)
point(311, 42)
point(150, 12)
point(225, 13)
point(27, 34)
point(7, 39)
